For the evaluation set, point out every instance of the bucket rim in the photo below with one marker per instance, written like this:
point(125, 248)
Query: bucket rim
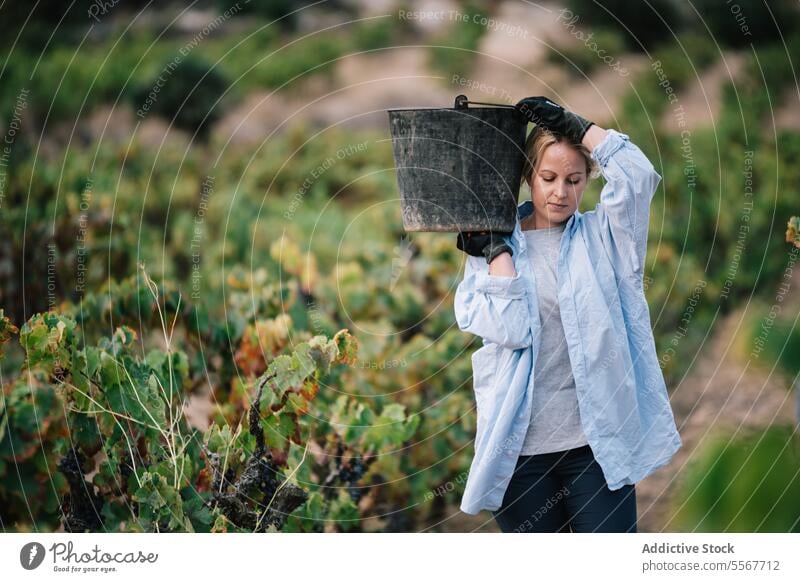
point(447, 109)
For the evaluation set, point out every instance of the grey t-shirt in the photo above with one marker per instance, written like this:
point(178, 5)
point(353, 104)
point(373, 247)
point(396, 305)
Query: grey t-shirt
point(555, 423)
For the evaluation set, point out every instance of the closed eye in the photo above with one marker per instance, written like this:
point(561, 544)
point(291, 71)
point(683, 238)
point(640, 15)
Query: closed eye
point(573, 182)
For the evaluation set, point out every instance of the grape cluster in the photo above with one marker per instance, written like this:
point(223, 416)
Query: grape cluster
point(350, 474)
point(81, 507)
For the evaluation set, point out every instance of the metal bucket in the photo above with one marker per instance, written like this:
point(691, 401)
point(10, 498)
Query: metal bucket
point(458, 169)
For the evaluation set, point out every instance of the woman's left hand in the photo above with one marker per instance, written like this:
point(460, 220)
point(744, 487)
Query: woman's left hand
point(484, 243)
point(553, 117)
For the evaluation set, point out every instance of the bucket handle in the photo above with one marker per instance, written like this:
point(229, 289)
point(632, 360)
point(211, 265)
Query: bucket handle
point(462, 101)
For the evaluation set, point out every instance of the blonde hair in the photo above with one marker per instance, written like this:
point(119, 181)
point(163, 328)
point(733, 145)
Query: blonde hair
point(538, 139)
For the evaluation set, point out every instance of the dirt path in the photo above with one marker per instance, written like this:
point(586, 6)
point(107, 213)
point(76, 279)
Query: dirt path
point(702, 99)
point(720, 395)
point(510, 64)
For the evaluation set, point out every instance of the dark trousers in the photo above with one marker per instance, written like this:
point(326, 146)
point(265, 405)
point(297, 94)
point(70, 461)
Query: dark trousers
point(562, 492)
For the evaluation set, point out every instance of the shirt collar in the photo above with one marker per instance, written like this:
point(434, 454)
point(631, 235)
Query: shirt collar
point(525, 209)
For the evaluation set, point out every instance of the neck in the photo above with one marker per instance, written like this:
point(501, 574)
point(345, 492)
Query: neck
point(531, 223)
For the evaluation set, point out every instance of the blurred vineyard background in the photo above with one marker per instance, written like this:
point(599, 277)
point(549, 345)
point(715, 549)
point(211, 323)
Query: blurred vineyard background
point(211, 318)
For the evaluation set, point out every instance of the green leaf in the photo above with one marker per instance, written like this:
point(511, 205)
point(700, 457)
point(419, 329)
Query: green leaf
point(160, 361)
point(391, 427)
point(159, 502)
point(137, 393)
point(278, 428)
point(296, 403)
point(220, 440)
point(7, 329)
point(200, 515)
point(47, 339)
point(344, 511)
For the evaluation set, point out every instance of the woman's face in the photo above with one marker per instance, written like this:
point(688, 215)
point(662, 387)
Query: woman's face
point(557, 185)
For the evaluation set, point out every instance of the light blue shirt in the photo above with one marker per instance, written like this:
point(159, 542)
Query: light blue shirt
point(623, 401)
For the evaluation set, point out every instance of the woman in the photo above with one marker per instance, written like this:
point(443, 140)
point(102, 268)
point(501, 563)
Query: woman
point(572, 406)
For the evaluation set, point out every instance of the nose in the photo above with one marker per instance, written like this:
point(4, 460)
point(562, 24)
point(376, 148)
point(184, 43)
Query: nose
point(562, 192)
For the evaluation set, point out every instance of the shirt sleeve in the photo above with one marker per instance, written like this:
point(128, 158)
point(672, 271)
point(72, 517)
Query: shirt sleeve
point(493, 307)
point(624, 207)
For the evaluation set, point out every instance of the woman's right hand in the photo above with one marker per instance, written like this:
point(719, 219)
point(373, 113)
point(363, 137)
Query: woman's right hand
point(553, 117)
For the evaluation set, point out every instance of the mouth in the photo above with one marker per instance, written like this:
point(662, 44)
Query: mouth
point(556, 206)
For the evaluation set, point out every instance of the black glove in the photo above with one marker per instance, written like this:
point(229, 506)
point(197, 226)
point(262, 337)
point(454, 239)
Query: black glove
point(551, 116)
point(485, 243)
